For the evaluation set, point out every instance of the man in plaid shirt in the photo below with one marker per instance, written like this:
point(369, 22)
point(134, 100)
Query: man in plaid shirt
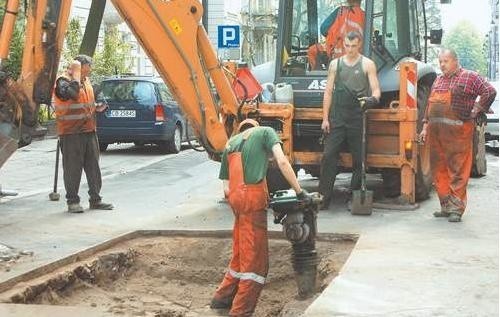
point(449, 124)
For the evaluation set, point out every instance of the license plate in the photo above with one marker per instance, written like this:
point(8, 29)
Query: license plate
point(122, 113)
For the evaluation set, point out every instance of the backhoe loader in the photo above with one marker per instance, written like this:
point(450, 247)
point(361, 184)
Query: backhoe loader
point(173, 37)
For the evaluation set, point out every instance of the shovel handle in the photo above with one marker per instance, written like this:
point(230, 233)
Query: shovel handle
point(363, 153)
point(56, 168)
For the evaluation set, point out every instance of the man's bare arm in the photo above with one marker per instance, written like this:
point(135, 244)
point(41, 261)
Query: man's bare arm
point(371, 71)
point(327, 97)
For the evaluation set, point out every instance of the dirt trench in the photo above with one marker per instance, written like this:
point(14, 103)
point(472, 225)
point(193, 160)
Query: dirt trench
point(174, 277)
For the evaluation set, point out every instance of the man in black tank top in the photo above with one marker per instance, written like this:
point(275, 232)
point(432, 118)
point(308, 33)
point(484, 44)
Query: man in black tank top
point(350, 77)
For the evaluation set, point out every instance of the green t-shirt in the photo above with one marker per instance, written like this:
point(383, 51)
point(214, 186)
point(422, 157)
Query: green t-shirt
point(255, 153)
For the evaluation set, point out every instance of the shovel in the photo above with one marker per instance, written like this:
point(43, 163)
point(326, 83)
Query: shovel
point(362, 200)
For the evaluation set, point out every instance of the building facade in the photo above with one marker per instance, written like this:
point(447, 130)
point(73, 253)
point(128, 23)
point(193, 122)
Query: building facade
point(220, 12)
point(259, 21)
point(493, 43)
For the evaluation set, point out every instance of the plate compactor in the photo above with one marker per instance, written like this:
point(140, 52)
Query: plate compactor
point(298, 218)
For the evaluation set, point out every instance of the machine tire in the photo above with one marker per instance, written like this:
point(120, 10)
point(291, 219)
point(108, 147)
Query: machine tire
point(275, 180)
point(103, 146)
point(479, 166)
point(423, 177)
point(391, 182)
point(314, 170)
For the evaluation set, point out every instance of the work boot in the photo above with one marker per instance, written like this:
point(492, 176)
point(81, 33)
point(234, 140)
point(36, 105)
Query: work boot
point(101, 206)
point(442, 213)
point(218, 304)
point(75, 208)
point(454, 217)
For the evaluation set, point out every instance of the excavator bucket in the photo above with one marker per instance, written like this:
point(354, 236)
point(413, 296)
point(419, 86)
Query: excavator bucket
point(8, 146)
point(17, 117)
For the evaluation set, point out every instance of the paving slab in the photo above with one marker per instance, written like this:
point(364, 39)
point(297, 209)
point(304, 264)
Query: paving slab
point(412, 264)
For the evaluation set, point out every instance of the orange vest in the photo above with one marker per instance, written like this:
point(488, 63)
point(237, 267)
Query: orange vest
point(349, 19)
point(76, 116)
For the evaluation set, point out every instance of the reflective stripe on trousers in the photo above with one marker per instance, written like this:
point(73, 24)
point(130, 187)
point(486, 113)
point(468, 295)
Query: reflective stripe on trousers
point(248, 267)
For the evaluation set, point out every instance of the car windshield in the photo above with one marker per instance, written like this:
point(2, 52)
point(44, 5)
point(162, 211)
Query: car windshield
point(127, 91)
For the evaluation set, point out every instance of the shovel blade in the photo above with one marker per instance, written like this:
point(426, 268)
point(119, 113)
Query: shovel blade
point(362, 202)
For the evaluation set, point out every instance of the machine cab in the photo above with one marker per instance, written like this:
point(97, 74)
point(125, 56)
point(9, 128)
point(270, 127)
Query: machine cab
point(390, 31)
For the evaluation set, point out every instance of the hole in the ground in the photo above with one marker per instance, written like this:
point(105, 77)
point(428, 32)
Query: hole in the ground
point(175, 276)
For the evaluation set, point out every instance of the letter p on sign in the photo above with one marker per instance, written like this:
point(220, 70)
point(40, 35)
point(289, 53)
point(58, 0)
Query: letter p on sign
point(228, 36)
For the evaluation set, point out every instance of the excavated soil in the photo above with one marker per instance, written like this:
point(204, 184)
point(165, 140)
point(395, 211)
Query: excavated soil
point(174, 277)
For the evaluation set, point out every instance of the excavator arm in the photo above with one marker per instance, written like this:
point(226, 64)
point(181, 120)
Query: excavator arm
point(179, 47)
point(175, 41)
point(19, 100)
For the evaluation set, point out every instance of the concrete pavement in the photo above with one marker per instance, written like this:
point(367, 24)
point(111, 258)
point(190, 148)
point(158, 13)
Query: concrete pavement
point(404, 264)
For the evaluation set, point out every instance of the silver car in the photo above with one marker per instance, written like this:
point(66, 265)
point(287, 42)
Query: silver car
point(492, 128)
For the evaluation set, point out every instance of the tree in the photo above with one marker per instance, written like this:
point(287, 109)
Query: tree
point(13, 64)
point(467, 41)
point(72, 40)
point(114, 57)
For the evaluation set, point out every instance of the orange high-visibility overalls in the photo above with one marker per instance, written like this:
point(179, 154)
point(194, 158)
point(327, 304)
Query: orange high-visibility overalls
point(349, 19)
point(76, 116)
point(249, 265)
point(451, 152)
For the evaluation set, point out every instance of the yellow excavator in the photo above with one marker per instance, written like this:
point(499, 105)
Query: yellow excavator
point(177, 44)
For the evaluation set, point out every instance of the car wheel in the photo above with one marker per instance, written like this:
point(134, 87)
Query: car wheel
point(103, 146)
point(173, 145)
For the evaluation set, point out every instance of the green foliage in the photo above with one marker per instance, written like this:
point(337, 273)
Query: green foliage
point(13, 63)
point(468, 43)
point(114, 57)
point(72, 40)
point(45, 114)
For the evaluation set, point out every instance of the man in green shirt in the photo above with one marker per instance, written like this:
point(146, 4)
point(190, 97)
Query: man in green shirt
point(243, 171)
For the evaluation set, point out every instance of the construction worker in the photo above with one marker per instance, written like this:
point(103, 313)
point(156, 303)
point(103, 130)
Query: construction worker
point(243, 171)
point(342, 20)
point(76, 126)
point(339, 23)
point(448, 125)
point(350, 78)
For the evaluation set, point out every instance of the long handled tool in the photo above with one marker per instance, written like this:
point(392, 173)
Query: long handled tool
point(362, 200)
point(54, 196)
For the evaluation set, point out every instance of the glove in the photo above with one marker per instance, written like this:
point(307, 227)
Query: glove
point(368, 102)
point(304, 197)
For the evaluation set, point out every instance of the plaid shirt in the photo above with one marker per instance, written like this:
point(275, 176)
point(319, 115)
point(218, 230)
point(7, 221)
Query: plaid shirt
point(465, 86)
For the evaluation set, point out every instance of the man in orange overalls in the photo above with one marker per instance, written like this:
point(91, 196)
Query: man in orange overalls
point(243, 170)
point(344, 19)
point(449, 126)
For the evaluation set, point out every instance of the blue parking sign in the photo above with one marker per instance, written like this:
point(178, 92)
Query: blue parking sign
point(228, 36)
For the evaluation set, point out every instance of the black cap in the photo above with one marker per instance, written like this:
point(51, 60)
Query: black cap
point(84, 59)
